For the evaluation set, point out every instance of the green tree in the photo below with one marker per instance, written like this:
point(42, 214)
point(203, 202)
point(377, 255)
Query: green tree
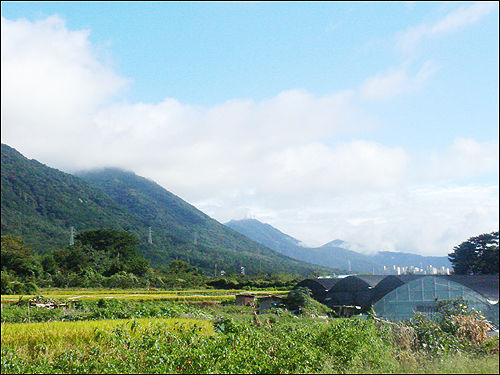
point(116, 243)
point(18, 257)
point(298, 297)
point(476, 256)
point(110, 251)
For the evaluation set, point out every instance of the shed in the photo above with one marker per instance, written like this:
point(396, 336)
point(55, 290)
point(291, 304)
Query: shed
point(421, 294)
point(266, 303)
point(244, 299)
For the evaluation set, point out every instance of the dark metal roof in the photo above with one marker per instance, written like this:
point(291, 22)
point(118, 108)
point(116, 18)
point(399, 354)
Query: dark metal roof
point(323, 283)
point(356, 283)
point(371, 280)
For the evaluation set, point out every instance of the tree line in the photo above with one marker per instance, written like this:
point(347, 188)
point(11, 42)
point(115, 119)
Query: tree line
point(109, 258)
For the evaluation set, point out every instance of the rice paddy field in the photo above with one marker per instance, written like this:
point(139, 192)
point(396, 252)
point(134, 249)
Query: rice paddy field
point(137, 295)
point(51, 338)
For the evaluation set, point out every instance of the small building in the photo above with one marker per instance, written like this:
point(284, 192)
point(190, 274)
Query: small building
point(244, 299)
point(268, 302)
point(346, 311)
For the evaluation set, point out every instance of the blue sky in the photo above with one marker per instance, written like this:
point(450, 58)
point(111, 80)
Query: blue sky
point(376, 123)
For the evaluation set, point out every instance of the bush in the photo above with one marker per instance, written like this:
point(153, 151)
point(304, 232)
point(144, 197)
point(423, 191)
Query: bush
point(455, 329)
point(17, 287)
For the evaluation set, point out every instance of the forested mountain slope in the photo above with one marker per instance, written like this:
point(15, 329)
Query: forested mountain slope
point(40, 204)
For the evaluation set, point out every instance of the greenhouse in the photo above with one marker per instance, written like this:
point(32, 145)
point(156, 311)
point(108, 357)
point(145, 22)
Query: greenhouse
point(389, 283)
point(397, 297)
point(353, 291)
point(421, 294)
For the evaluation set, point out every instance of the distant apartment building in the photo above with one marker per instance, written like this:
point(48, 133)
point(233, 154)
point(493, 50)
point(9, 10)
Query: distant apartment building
point(429, 270)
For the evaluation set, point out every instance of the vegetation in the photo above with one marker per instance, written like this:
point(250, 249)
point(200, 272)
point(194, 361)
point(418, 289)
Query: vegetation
point(456, 329)
point(110, 259)
point(151, 331)
point(478, 255)
point(177, 338)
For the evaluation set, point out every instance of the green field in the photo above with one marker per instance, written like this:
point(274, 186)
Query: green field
point(125, 335)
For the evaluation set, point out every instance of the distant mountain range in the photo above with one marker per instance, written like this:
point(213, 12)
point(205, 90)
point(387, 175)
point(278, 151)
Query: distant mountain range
point(335, 254)
point(41, 204)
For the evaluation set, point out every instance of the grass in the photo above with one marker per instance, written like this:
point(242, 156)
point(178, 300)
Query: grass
point(287, 345)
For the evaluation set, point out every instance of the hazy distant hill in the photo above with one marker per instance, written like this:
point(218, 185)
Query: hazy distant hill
point(40, 204)
point(267, 235)
point(335, 254)
point(327, 255)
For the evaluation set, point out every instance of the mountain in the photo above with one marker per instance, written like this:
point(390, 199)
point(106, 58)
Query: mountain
point(328, 255)
point(41, 204)
point(267, 235)
point(335, 254)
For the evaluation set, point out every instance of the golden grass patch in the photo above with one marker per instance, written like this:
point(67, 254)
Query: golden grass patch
point(55, 337)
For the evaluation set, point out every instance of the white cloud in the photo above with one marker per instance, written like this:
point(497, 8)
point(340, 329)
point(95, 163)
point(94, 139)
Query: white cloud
point(463, 16)
point(279, 159)
point(396, 81)
point(426, 220)
point(466, 158)
point(51, 82)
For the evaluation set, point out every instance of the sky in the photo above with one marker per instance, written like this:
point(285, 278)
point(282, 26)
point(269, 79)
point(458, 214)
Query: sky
point(371, 122)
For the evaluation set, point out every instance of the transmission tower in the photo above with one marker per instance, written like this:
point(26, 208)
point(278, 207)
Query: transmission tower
point(150, 236)
point(71, 236)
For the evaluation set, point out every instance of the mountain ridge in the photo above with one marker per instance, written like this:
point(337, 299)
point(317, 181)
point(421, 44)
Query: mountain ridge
point(336, 253)
point(40, 204)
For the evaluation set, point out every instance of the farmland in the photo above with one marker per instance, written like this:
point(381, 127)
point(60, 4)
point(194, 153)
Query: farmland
point(137, 295)
point(151, 334)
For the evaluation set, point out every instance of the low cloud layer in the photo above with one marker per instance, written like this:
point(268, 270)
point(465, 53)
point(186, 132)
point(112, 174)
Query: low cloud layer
point(298, 161)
